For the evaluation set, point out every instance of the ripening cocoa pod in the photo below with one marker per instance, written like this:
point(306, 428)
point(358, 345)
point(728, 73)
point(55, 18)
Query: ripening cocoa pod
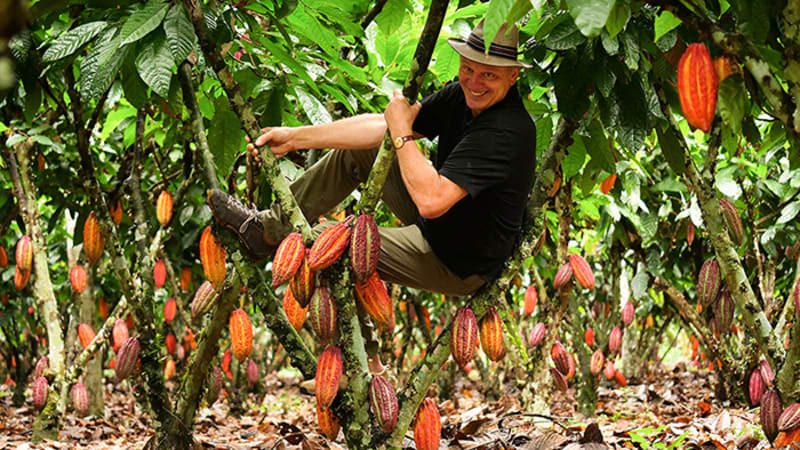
point(287, 259)
point(560, 357)
point(21, 278)
point(164, 208)
point(756, 387)
point(697, 86)
point(797, 297)
point(732, 220)
point(77, 279)
point(170, 343)
point(770, 413)
point(303, 282)
point(620, 378)
point(3, 257)
point(596, 363)
point(204, 299)
point(214, 385)
point(85, 334)
point(170, 308)
point(491, 334)
point(563, 276)
point(80, 399)
point(723, 311)
point(330, 244)
point(102, 308)
point(608, 183)
point(186, 278)
point(127, 357)
point(464, 336)
point(531, 296)
point(588, 336)
point(180, 353)
point(609, 370)
point(690, 232)
point(383, 400)
point(790, 418)
point(322, 314)
point(295, 314)
point(582, 271)
point(226, 363)
point(708, 282)
point(212, 256)
point(159, 274)
point(252, 373)
point(241, 331)
point(767, 375)
point(559, 379)
point(427, 426)
point(627, 314)
point(365, 247)
point(328, 422)
point(41, 388)
point(115, 211)
point(614, 339)
point(375, 299)
point(169, 368)
point(725, 66)
point(41, 365)
point(536, 336)
point(93, 241)
point(119, 334)
point(24, 254)
point(571, 371)
point(329, 373)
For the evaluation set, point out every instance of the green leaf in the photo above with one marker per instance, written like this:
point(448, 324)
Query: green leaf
point(225, 136)
point(570, 83)
point(302, 22)
point(392, 16)
point(590, 15)
point(598, 147)
point(132, 85)
point(115, 117)
point(618, 18)
point(495, 18)
point(725, 181)
point(520, 9)
point(143, 21)
point(544, 131)
point(753, 20)
point(154, 63)
point(610, 44)
point(180, 33)
point(313, 108)
point(631, 47)
point(576, 156)
point(281, 56)
point(664, 23)
point(789, 213)
point(446, 62)
point(100, 66)
point(72, 40)
point(604, 78)
point(732, 102)
point(565, 36)
point(639, 285)
point(3, 127)
point(672, 149)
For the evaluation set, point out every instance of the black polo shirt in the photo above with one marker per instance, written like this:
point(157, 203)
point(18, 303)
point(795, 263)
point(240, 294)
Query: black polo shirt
point(491, 156)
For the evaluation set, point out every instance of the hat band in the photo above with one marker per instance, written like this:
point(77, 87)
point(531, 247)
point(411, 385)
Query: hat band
point(502, 51)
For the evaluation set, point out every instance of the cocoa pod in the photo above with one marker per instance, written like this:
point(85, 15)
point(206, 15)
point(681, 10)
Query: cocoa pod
point(169, 368)
point(609, 371)
point(588, 337)
point(536, 336)
point(464, 336)
point(241, 331)
point(560, 357)
point(627, 314)
point(170, 308)
point(226, 363)
point(383, 400)
point(180, 352)
point(328, 422)
point(186, 278)
point(571, 371)
point(115, 211)
point(102, 308)
point(214, 385)
point(212, 256)
point(204, 299)
point(723, 311)
point(159, 274)
point(725, 66)
point(697, 86)
point(170, 343)
point(41, 365)
point(330, 245)
point(365, 247)
point(303, 282)
point(127, 358)
point(329, 373)
point(41, 388)
point(563, 276)
point(491, 333)
point(252, 373)
point(164, 208)
point(733, 220)
point(530, 298)
point(608, 183)
point(559, 380)
point(582, 271)
point(375, 299)
point(690, 232)
point(596, 363)
point(3, 257)
point(24, 254)
point(770, 413)
point(80, 399)
point(756, 387)
point(287, 259)
point(295, 313)
point(119, 334)
point(708, 282)
point(790, 418)
point(77, 279)
point(797, 297)
point(620, 378)
point(85, 334)
point(767, 375)
point(427, 426)
point(322, 314)
point(93, 241)
point(713, 326)
point(614, 339)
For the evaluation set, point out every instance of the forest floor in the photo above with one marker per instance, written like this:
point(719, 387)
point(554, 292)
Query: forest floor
point(670, 410)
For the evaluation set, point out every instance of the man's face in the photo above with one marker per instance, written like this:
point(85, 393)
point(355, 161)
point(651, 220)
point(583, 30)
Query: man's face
point(484, 85)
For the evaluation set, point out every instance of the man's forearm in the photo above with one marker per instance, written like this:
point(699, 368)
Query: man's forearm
point(361, 132)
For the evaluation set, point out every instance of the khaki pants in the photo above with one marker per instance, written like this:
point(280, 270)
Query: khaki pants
point(406, 258)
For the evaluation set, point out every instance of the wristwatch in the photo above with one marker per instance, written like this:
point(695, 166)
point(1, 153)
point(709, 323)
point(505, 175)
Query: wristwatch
point(401, 140)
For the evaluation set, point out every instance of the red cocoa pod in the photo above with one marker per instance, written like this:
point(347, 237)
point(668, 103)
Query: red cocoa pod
point(770, 413)
point(330, 244)
point(180, 352)
point(41, 388)
point(620, 378)
point(491, 333)
point(732, 220)
point(608, 183)
point(303, 282)
point(41, 365)
point(85, 334)
point(214, 385)
point(756, 387)
point(723, 311)
point(690, 232)
point(708, 282)
point(287, 259)
point(571, 372)
point(80, 399)
point(169, 368)
point(3, 257)
point(212, 256)
point(115, 211)
point(563, 276)
point(322, 314)
point(697, 86)
point(77, 279)
point(119, 334)
point(790, 418)
point(536, 336)
point(24, 254)
point(226, 363)
point(767, 375)
point(204, 299)
point(365, 247)
point(614, 339)
point(383, 399)
point(164, 208)
point(127, 357)
point(252, 373)
point(530, 298)
point(427, 426)
point(93, 241)
point(596, 363)
point(588, 336)
point(329, 373)
point(102, 308)
point(328, 422)
point(797, 297)
point(170, 343)
point(627, 314)
point(464, 336)
point(159, 274)
point(186, 278)
point(241, 331)
point(609, 371)
point(582, 271)
point(295, 314)
point(170, 308)
point(375, 299)
point(559, 379)
point(560, 357)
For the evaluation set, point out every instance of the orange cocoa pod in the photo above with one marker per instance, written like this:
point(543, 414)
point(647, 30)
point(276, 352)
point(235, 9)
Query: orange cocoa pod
point(164, 208)
point(227, 358)
point(328, 422)
point(102, 308)
point(563, 276)
point(21, 278)
point(608, 183)
point(582, 271)
point(241, 331)
point(77, 278)
point(375, 299)
point(115, 211)
point(620, 378)
point(169, 369)
point(188, 339)
point(3, 257)
point(330, 244)
point(119, 334)
point(329, 373)
point(93, 241)
point(170, 343)
point(491, 333)
point(85, 334)
point(365, 247)
point(294, 312)
point(186, 278)
point(159, 274)
point(725, 66)
point(697, 86)
point(588, 336)
point(288, 259)
point(212, 256)
point(530, 298)
point(24, 254)
point(464, 336)
point(427, 426)
point(596, 363)
point(129, 321)
point(303, 282)
point(170, 308)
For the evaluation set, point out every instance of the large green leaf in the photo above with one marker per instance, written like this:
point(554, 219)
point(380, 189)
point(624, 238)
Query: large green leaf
point(617, 19)
point(590, 15)
point(313, 108)
point(570, 87)
point(143, 21)
point(672, 150)
point(598, 147)
point(133, 86)
point(753, 19)
point(154, 63)
point(495, 18)
point(446, 62)
point(576, 156)
point(306, 23)
point(565, 36)
point(789, 213)
point(72, 40)
point(391, 16)
point(225, 135)
point(732, 102)
point(664, 23)
point(100, 66)
point(180, 33)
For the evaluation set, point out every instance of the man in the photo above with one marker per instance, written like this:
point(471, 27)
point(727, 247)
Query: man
point(462, 214)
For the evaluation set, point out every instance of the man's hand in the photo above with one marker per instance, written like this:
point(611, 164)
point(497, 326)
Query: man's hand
point(279, 139)
point(399, 115)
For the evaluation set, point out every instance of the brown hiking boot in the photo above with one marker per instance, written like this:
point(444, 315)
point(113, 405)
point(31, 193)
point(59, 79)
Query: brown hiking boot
point(246, 223)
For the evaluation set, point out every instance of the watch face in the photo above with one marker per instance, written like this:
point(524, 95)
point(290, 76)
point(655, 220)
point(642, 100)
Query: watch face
point(398, 142)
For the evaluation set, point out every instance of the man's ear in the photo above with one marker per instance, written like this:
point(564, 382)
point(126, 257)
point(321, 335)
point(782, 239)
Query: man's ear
point(514, 74)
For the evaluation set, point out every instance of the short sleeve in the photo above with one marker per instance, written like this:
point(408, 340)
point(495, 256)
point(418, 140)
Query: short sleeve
point(429, 120)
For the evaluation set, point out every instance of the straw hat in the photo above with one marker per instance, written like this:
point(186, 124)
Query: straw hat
point(503, 51)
